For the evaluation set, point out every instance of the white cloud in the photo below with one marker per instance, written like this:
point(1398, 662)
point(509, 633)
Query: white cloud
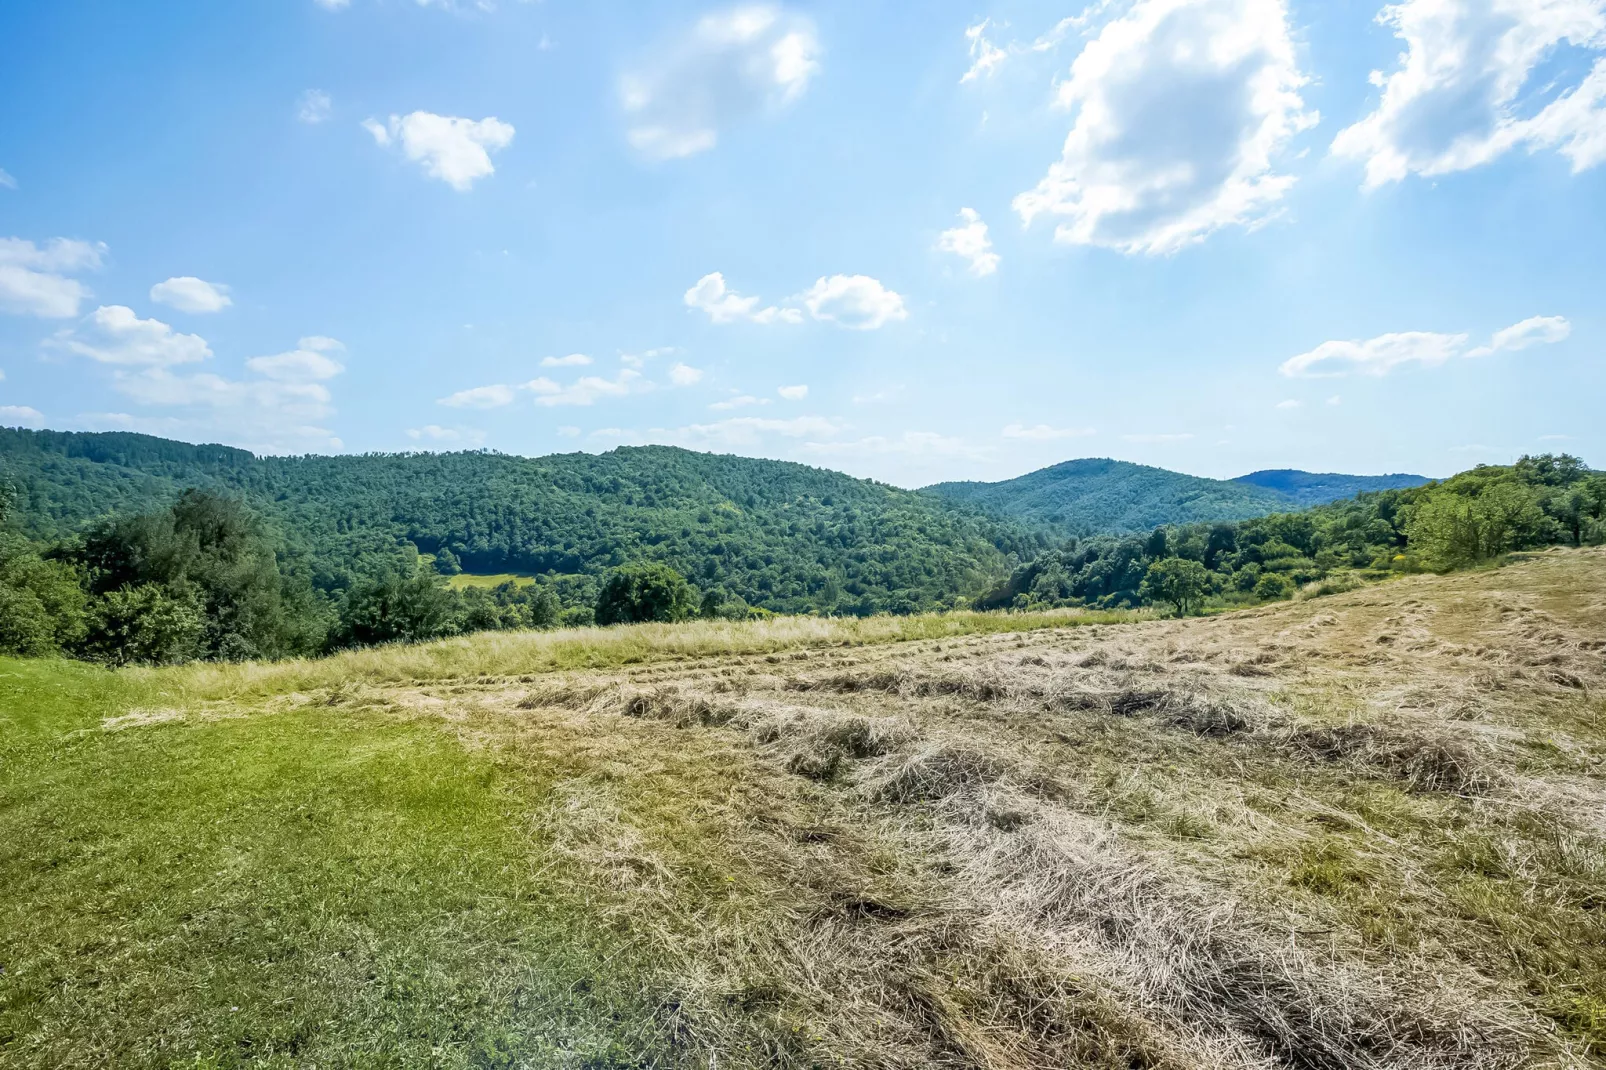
point(333, 5)
point(985, 56)
point(1336, 399)
point(736, 432)
point(923, 444)
point(794, 393)
point(733, 64)
point(313, 107)
point(308, 363)
point(588, 389)
point(6, 180)
point(854, 301)
point(1466, 90)
point(190, 294)
point(1182, 108)
point(1381, 355)
point(34, 278)
point(573, 360)
point(1533, 331)
point(970, 241)
point(684, 374)
point(569, 432)
point(455, 150)
point(740, 402)
point(724, 305)
point(21, 416)
point(480, 397)
point(281, 411)
point(437, 433)
point(1153, 438)
point(115, 335)
point(1045, 433)
point(1290, 403)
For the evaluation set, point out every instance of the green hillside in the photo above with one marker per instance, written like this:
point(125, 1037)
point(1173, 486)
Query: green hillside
point(1102, 496)
point(782, 536)
point(1305, 489)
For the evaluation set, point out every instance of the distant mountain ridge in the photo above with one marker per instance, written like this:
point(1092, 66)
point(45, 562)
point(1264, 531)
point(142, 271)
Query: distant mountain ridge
point(1319, 488)
point(1098, 495)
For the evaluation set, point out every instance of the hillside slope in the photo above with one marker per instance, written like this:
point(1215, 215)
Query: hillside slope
point(1098, 496)
point(784, 536)
point(1366, 830)
point(1305, 489)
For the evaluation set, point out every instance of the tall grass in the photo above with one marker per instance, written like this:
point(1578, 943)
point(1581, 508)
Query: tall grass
point(524, 653)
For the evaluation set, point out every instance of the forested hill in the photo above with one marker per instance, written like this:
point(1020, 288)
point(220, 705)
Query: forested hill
point(1102, 496)
point(1305, 489)
point(780, 535)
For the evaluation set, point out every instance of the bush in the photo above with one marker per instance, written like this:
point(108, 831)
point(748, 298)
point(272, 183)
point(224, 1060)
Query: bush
point(394, 608)
point(645, 592)
point(146, 623)
point(1273, 588)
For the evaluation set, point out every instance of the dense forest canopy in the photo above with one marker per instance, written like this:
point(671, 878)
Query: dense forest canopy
point(786, 537)
point(125, 548)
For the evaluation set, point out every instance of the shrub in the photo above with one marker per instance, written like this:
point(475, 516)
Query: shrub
point(645, 592)
point(1272, 587)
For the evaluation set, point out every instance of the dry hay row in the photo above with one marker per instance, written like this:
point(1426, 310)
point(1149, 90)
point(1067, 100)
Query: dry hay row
point(1192, 978)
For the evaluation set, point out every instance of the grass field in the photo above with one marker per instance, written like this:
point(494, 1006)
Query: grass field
point(1364, 830)
point(464, 580)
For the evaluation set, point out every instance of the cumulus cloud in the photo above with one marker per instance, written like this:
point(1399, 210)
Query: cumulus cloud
point(1381, 355)
point(732, 65)
point(115, 335)
point(724, 305)
point(1182, 109)
point(34, 279)
point(857, 302)
point(308, 362)
point(969, 240)
point(1045, 433)
point(794, 393)
point(453, 149)
point(190, 294)
point(1289, 403)
point(282, 410)
point(573, 360)
point(588, 389)
point(684, 374)
point(1473, 83)
point(735, 432)
point(21, 416)
point(314, 107)
point(480, 397)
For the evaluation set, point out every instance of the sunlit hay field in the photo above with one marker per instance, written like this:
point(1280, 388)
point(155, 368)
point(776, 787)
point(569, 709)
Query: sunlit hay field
point(1362, 830)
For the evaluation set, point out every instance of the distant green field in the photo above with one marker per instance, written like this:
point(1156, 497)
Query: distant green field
point(464, 579)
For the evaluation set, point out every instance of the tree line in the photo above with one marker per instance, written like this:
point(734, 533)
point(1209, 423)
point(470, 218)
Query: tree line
point(210, 578)
point(1466, 520)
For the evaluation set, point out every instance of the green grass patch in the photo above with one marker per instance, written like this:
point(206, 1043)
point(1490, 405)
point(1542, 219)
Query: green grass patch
point(311, 888)
point(465, 580)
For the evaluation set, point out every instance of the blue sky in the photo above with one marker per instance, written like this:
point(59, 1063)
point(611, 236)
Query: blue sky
point(909, 241)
